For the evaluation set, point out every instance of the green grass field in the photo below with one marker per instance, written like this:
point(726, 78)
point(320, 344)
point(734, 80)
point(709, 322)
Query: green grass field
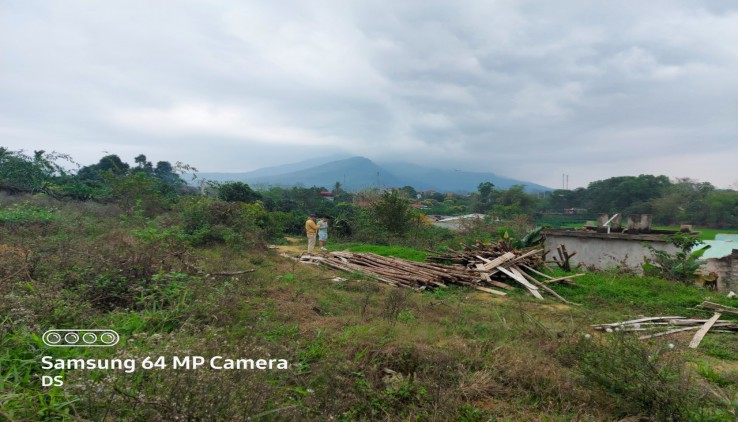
point(575, 222)
point(704, 234)
point(396, 251)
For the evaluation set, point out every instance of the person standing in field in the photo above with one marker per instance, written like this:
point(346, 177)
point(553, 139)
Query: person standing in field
point(312, 230)
point(323, 233)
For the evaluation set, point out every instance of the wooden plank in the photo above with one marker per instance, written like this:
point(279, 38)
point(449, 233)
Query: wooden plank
point(635, 321)
point(496, 283)
point(488, 290)
point(554, 280)
point(534, 271)
point(677, 330)
point(716, 307)
point(699, 335)
point(550, 279)
point(525, 255)
point(501, 285)
point(520, 279)
point(498, 261)
point(544, 287)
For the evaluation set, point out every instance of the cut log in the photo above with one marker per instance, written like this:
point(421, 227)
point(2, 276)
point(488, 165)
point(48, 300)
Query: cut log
point(699, 335)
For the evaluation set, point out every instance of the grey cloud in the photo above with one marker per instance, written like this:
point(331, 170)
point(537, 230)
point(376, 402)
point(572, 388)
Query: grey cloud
point(524, 89)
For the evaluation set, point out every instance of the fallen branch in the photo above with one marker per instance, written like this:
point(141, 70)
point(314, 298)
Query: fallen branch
point(234, 272)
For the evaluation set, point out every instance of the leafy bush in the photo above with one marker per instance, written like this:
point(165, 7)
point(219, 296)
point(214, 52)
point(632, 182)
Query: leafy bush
point(25, 213)
point(392, 213)
point(680, 266)
point(237, 192)
point(209, 220)
point(640, 380)
point(134, 191)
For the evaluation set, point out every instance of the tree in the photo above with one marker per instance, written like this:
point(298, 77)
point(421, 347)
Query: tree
point(514, 202)
point(683, 202)
point(409, 192)
point(143, 165)
point(625, 194)
point(237, 191)
point(38, 173)
point(485, 191)
point(109, 163)
point(561, 199)
point(392, 213)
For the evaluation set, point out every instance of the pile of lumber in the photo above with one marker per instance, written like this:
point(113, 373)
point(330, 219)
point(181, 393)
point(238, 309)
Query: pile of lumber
point(477, 272)
point(666, 325)
point(396, 271)
point(481, 253)
point(498, 264)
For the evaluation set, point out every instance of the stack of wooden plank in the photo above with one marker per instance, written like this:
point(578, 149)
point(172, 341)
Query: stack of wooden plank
point(396, 271)
point(400, 272)
point(505, 264)
point(480, 253)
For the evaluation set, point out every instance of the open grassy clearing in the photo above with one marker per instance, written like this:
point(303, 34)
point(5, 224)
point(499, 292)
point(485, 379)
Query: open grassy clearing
point(395, 251)
point(358, 350)
point(704, 233)
point(574, 222)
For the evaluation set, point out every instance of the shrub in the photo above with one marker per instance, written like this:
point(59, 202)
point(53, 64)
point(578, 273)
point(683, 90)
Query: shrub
point(638, 379)
point(25, 213)
point(237, 192)
point(680, 266)
point(209, 220)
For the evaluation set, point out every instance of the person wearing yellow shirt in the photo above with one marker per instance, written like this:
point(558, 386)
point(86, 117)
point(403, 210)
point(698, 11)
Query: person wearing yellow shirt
point(311, 227)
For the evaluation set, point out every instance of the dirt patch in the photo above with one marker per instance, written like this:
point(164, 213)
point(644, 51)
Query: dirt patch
point(486, 297)
point(295, 247)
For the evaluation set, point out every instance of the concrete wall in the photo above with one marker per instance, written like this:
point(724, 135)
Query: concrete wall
point(604, 251)
point(727, 270)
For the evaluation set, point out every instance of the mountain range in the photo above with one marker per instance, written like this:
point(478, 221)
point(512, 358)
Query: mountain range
point(357, 173)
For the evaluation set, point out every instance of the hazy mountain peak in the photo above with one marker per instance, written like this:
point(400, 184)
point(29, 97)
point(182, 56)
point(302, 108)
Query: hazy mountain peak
point(356, 173)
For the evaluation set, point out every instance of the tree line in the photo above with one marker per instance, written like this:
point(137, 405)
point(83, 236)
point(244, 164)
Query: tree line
point(152, 188)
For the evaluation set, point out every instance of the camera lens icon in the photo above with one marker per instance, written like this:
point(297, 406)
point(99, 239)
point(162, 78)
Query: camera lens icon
point(80, 338)
point(109, 338)
point(53, 339)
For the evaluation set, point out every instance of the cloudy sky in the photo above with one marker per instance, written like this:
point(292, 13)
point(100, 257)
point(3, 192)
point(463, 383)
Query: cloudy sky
point(525, 89)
